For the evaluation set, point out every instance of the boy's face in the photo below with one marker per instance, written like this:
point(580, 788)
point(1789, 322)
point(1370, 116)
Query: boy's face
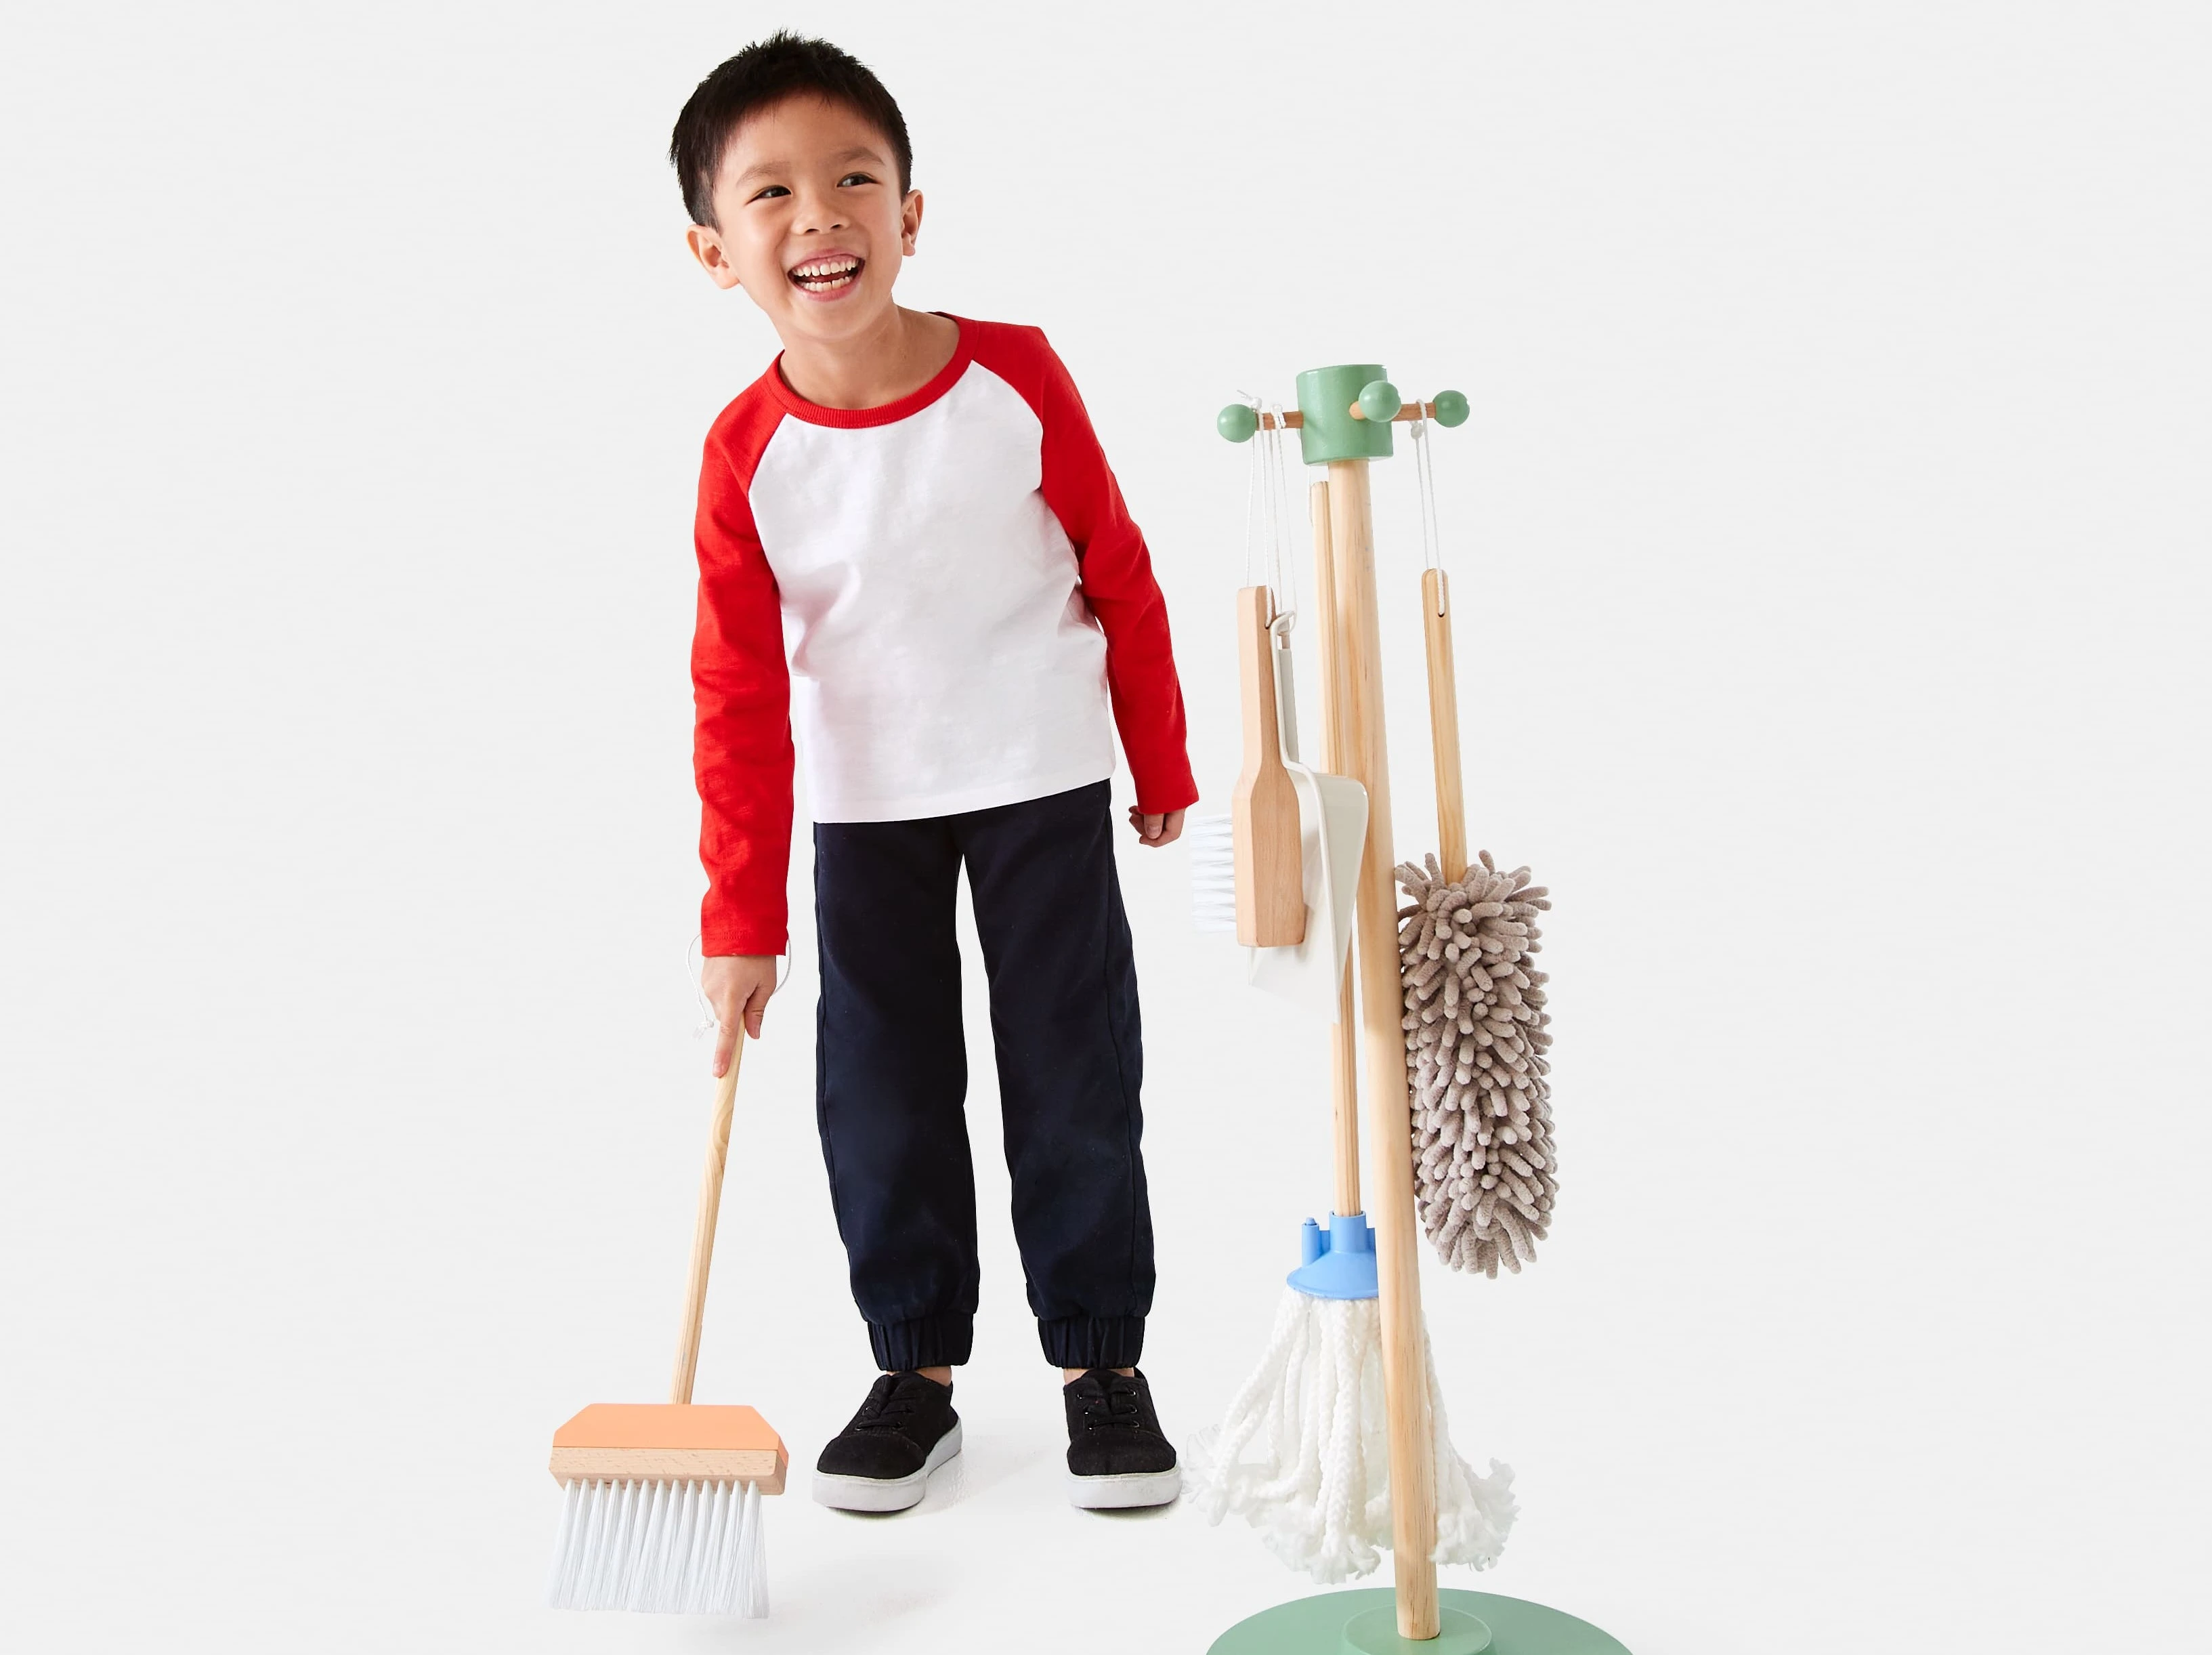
point(812, 225)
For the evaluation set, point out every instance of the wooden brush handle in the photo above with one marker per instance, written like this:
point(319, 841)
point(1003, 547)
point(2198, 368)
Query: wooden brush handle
point(1343, 1036)
point(1443, 723)
point(1383, 1051)
point(702, 1231)
point(1263, 813)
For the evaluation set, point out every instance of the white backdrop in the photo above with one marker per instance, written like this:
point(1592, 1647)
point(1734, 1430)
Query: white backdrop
point(1831, 533)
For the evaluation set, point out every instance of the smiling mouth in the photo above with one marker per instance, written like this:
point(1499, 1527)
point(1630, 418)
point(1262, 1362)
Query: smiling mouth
point(827, 274)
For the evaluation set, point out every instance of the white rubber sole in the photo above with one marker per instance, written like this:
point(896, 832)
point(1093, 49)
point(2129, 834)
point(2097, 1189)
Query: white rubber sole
point(1120, 1492)
point(846, 1493)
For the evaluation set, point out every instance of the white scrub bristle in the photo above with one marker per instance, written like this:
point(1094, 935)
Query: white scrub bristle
point(1212, 874)
point(661, 1548)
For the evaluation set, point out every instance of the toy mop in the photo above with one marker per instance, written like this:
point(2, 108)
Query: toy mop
point(664, 1500)
point(1301, 1450)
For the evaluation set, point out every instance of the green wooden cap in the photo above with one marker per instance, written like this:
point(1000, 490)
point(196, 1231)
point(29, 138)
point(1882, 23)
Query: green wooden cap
point(1325, 398)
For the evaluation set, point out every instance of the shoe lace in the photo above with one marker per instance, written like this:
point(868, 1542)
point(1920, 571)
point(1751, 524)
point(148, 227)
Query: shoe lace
point(1113, 1406)
point(886, 1410)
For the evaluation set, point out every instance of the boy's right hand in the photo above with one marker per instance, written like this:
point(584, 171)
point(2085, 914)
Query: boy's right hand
point(738, 987)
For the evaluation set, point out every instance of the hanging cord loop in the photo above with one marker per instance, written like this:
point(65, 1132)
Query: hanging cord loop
point(1268, 557)
point(1432, 551)
point(1253, 467)
point(1283, 555)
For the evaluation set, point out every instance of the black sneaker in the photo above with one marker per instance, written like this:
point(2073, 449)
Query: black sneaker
point(881, 1462)
point(1116, 1456)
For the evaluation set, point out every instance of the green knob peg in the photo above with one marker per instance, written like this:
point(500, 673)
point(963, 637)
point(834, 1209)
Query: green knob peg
point(1237, 422)
point(1451, 408)
point(1378, 400)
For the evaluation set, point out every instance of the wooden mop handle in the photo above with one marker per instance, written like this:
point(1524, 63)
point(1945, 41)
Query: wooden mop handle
point(702, 1231)
point(1343, 1037)
point(1382, 1050)
point(1443, 724)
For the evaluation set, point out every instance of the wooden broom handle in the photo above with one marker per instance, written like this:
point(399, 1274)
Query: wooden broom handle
point(1443, 724)
point(1343, 1038)
point(1382, 1049)
point(702, 1230)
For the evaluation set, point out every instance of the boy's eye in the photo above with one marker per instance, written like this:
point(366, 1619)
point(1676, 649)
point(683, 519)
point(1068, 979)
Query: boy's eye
point(849, 178)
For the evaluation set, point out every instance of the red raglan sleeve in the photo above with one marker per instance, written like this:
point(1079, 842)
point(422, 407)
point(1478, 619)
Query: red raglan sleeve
point(1117, 580)
point(741, 741)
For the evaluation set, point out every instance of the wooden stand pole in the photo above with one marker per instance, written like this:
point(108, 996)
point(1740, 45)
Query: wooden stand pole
point(1382, 1030)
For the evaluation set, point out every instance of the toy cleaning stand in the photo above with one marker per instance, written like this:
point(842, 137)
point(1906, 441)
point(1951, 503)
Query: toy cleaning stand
point(1344, 418)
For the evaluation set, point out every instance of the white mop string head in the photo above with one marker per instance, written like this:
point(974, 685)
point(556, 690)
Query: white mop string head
point(661, 1546)
point(1303, 1452)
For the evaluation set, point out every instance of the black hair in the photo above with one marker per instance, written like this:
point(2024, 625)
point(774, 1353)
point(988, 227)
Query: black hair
point(783, 65)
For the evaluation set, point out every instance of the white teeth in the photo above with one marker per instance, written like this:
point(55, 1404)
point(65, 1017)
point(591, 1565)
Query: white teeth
point(842, 267)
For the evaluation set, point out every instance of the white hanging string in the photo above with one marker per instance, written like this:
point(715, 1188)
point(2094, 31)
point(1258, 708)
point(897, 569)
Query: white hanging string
point(1285, 554)
point(1432, 555)
point(1269, 556)
point(1433, 551)
point(1255, 470)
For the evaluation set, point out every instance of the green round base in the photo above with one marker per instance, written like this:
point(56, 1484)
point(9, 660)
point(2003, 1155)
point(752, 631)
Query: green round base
point(1364, 1621)
point(1374, 1632)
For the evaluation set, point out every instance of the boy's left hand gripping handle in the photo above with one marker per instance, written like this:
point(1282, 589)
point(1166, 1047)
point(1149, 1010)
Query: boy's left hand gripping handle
point(702, 1233)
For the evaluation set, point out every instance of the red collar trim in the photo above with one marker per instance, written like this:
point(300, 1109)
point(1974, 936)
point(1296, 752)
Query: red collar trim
point(913, 403)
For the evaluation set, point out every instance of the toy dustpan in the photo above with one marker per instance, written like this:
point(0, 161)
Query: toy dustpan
point(1332, 833)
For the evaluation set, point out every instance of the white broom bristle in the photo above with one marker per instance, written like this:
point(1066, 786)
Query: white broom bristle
point(661, 1548)
point(1212, 874)
point(1303, 1452)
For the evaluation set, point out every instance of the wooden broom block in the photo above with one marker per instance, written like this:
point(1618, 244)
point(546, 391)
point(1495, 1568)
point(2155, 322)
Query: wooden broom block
point(664, 1442)
point(1383, 1038)
point(1443, 724)
point(1263, 813)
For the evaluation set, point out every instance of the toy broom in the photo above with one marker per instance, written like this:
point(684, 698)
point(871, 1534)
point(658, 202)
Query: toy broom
point(664, 1500)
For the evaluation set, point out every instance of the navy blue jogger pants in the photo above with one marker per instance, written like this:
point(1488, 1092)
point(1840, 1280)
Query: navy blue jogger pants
point(892, 1075)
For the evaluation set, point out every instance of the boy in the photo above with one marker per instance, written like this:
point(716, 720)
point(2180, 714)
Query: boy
point(916, 505)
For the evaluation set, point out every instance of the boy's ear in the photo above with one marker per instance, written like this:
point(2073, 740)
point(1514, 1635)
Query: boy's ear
point(706, 245)
point(909, 222)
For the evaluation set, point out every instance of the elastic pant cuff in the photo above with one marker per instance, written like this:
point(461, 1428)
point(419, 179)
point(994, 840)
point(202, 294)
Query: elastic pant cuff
point(926, 1341)
point(1089, 1341)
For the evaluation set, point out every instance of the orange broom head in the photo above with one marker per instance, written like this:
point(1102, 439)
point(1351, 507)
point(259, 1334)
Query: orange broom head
point(670, 1442)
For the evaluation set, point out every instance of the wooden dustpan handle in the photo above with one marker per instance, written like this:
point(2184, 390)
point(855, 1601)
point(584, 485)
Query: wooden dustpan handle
point(703, 1232)
point(1443, 724)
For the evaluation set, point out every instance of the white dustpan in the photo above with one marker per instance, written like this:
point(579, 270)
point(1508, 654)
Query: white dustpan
point(1332, 833)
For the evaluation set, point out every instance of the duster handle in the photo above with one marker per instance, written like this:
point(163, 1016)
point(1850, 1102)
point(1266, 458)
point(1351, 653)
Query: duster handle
point(1381, 1004)
point(1443, 724)
point(702, 1231)
point(1343, 1037)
